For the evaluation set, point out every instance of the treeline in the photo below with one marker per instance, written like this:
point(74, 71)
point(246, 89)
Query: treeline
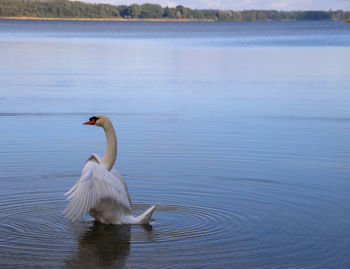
point(76, 9)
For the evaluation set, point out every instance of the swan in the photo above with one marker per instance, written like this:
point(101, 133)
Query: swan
point(101, 191)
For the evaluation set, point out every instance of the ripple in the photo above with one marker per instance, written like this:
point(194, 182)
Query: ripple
point(179, 222)
point(248, 223)
point(32, 227)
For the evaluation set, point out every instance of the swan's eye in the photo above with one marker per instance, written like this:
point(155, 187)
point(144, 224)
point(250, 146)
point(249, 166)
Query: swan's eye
point(93, 119)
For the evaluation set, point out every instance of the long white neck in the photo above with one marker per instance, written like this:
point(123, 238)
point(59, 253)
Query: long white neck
point(111, 151)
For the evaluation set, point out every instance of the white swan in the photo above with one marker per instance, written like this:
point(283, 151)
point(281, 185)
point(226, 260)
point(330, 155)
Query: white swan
point(101, 191)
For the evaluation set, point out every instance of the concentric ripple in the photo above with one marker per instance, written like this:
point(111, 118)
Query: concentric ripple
point(254, 226)
point(180, 222)
point(32, 229)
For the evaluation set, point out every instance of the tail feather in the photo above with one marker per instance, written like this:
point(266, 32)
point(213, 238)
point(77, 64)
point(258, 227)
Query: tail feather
point(145, 217)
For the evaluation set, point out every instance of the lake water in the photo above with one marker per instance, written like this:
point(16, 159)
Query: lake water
point(241, 131)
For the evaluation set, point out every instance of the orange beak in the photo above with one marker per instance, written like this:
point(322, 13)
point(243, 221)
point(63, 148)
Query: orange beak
point(91, 122)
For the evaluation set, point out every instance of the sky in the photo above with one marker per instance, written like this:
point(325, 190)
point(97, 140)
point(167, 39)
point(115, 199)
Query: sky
point(241, 4)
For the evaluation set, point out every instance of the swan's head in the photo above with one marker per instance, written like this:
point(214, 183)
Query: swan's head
point(98, 120)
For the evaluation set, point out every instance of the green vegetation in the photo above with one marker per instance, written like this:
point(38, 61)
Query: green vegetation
point(75, 9)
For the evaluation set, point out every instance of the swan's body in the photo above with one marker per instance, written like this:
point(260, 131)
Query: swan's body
point(101, 191)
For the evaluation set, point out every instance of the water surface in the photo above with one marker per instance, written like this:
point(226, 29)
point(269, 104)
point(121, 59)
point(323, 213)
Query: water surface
point(239, 130)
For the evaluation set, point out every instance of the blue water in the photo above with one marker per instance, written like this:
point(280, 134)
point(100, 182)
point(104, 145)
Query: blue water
point(239, 130)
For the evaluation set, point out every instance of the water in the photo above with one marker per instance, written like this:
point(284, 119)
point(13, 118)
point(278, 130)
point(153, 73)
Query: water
point(239, 130)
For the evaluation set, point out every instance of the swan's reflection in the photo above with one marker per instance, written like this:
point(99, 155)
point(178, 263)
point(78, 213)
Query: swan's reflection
point(102, 246)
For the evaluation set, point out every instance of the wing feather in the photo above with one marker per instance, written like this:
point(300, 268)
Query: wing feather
point(96, 183)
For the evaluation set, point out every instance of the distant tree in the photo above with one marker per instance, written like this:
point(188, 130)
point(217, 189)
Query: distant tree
point(314, 15)
point(151, 11)
point(123, 10)
point(224, 15)
point(210, 14)
point(236, 16)
point(198, 14)
point(273, 15)
point(248, 15)
point(261, 15)
point(183, 12)
point(134, 11)
point(169, 13)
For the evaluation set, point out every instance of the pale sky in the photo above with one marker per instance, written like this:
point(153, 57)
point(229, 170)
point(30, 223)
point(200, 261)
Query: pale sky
point(241, 4)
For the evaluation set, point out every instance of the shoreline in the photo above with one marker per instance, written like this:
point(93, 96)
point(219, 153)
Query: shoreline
point(122, 19)
point(100, 19)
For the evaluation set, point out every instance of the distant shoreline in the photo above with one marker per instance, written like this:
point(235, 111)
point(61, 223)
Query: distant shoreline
point(100, 19)
point(81, 11)
point(119, 19)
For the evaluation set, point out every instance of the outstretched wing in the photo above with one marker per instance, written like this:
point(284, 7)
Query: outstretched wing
point(121, 179)
point(95, 183)
point(96, 158)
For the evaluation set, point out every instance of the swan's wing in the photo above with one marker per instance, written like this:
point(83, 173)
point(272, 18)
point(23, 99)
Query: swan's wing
point(95, 157)
point(116, 173)
point(95, 183)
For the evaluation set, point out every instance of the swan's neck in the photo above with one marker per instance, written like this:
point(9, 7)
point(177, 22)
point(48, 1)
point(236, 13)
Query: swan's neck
point(111, 151)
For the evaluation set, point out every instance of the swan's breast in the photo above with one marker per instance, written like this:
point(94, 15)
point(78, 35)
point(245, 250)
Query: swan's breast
point(108, 211)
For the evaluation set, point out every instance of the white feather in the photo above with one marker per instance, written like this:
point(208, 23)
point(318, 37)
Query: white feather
point(95, 184)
